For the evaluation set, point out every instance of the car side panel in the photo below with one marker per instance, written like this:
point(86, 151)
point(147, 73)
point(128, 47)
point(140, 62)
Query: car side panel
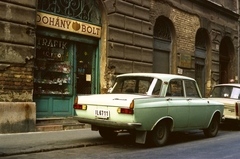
point(179, 111)
point(229, 107)
point(198, 112)
point(149, 112)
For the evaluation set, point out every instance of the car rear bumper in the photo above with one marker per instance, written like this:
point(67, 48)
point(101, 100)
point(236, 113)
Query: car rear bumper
point(107, 123)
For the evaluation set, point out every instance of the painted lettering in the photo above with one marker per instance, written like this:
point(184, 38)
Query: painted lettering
point(98, 30)
point(45, 20)
point(51, 21)
point(89, 29)
point(38, 19)
point(64, 45)
point(55, 43)
point(68, 24)
point(83, 28)
point(57, 22)
point(44, 42)
point(65, 24)
point(51, 43)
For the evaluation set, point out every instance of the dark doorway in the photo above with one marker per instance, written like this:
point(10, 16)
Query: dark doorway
point(224, 60)
point(84, 63)
point(161, 45)
point(201, 42)
point(200, 76)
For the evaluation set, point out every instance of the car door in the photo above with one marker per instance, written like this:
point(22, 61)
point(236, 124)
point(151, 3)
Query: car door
point(197, 105)
point(178, 107)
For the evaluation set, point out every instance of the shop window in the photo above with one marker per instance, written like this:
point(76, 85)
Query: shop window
point(53, 71)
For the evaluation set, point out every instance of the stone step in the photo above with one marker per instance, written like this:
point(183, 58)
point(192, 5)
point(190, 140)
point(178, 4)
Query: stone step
point(57, 124)
point(49, 127)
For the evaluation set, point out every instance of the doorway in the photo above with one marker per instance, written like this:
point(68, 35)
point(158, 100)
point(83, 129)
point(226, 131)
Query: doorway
point(85, 68)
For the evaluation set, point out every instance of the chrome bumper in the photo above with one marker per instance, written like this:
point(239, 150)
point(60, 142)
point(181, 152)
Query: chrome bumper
point(107, 123)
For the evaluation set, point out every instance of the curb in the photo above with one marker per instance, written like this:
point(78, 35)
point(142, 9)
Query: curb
point(2, 154)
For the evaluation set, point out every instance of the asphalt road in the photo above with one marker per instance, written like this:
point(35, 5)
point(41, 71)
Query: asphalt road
point(85, 143)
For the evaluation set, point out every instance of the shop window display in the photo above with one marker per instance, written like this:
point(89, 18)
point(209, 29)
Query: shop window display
point(53, 73)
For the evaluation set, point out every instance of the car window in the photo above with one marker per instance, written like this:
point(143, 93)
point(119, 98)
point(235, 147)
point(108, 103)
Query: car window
point(191, 89)
point(221, 92)
point(225, 92)
point(175, 88)
point(235, 93)
point(157, 88)
point(132, 85)
point(129, 86)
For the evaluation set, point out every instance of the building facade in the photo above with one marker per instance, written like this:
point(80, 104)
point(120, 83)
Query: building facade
point(199, 37)
point(52, 50)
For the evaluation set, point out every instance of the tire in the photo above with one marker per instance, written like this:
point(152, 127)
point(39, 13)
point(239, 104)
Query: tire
point(160, 134)
point(108, 133)
point(213, 128)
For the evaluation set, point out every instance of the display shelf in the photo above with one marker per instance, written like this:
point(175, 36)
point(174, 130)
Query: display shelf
point(52, 78)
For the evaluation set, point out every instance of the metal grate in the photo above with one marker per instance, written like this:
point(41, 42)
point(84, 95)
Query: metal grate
point(83, 10)
point(162, 30)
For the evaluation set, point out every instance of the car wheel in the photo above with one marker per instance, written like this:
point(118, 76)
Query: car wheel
point(213, 128)
point(160, 134)
point(107, 133)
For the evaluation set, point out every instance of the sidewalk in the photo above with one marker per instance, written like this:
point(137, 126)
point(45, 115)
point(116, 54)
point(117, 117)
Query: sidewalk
point(21, 143)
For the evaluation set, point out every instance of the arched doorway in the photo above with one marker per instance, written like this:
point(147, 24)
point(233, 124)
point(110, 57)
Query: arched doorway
point(162, 45)
point(200, 58)
point(225, 57)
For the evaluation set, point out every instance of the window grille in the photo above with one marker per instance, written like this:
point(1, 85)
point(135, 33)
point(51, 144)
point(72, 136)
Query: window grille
point(82, 10)
point(161, 29)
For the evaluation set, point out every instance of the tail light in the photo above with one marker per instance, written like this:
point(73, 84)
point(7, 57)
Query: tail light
point(79, 106)
point(236, 109)
point(127, 110)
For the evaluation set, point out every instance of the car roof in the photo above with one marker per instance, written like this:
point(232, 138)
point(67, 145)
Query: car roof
point(164, 77)
point(228, 84)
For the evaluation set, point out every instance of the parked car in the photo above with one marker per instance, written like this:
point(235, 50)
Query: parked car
point(229, 95)
point(150, 106)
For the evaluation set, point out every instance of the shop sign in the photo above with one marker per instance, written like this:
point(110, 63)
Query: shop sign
point(56, 22)
point(185, 60)
point(51, 48)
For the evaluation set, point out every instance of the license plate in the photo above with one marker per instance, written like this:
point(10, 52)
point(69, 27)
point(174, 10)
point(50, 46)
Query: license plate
point(100, 113)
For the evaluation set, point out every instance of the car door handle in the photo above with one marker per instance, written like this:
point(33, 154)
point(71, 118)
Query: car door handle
point(189, 99)
point(168, 99)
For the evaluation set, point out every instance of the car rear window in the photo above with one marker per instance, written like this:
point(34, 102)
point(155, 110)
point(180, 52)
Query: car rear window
point(131, 85)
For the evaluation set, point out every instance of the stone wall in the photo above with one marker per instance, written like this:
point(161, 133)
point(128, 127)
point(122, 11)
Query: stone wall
point(17, 117)
point(17, 50)
point(129, 36)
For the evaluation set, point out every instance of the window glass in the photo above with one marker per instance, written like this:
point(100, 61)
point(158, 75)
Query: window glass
point(157, 87)
point(225, 92)
point(132, 85)
point(175, 88)
point(235, 93)
point(191, 89)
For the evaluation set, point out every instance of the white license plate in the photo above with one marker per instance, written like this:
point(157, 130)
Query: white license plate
point(100, 113)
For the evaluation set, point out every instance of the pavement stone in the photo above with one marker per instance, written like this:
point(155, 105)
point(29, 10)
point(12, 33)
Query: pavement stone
point(23, 143)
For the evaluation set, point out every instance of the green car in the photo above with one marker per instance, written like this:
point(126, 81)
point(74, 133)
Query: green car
point(150, 106)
